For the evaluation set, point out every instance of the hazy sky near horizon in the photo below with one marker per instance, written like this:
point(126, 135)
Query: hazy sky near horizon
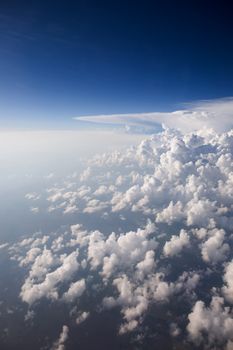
point(60, 60)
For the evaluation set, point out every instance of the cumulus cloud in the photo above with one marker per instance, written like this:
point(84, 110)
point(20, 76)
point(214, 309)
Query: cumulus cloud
point(32, 291)
point(213, 249)
point(30, 256)
point(116, 251)
point(60, 343)
point(212, 325)
point(228, 279)
point(178, 178)
point(135, 211)
point(82, 317)
point(124, 261)
point(176, 244)
point(75, 290)
point(172, 213)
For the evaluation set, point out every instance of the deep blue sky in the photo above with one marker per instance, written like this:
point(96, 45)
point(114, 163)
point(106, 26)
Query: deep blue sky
point(60, 59)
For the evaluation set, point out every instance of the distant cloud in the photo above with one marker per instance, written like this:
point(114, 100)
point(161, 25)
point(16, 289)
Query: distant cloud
point(32, 196)
point(216, 114)
point(35, 210)
point(3, 245)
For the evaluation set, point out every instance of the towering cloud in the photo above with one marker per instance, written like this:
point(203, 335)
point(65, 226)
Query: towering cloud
point(215, 114)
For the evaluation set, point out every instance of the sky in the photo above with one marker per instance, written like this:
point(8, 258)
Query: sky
point(116, 147)
point(60, 60)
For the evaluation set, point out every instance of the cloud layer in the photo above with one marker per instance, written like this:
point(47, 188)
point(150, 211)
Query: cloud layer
point(162, 236)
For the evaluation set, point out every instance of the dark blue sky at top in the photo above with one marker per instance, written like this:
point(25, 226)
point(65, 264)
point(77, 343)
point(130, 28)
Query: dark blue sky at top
point(60, 59)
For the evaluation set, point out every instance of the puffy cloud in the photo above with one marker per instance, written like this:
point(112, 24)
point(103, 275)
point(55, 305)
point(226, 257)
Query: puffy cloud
point(120, 251)
point(188, 281)
point(70, 209)
point(178, 178)
point(41, 264)
point(75, 290)
point(80, 235)
point(172, 213)
point(31, 291)
point(94, 206)
point(213, 324)
point(132, 251)
point(147, 265)
point(228, 279)
point(82, 317)
point(199, 211)
point(30, 256)
point(128, 327)
point(135, 296)
point(132, 299)
point(213, 249)
point(136, 208)
point(33, 242)
point(58, 244)
point(102, 190)
point(176, 244)
point(60, 343)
